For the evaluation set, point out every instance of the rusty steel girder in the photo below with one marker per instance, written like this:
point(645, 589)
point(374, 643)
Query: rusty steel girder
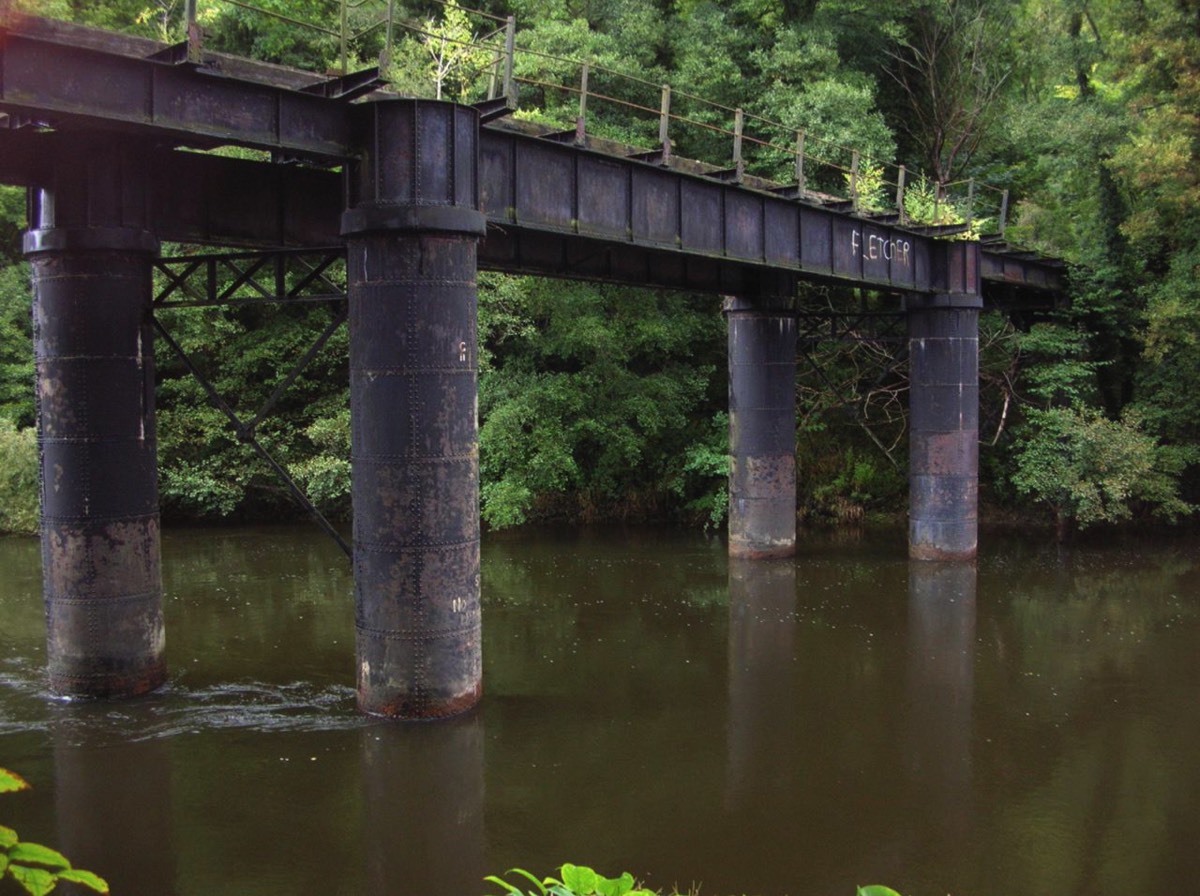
point(74, 77)
point(556, 209)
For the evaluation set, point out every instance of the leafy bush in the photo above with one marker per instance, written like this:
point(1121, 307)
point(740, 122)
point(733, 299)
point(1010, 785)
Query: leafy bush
point(16, 332)
point(577, 880)
point(704, 476)
point(37, 869)
point(18, 479)
point(580, 880)
point(1088, 469)
point(588, 401)
point(869, 187)
point(325, 477)
point(860, 484)
point(924, 205)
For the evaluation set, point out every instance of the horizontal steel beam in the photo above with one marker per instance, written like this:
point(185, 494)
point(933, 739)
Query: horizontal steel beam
point(553, 208)
point(585, 217)
point(1036, 273)
point(67, 76)
point(539, 185)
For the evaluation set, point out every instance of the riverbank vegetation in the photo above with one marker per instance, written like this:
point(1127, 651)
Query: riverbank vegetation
point(580, 880)
point(604, 402)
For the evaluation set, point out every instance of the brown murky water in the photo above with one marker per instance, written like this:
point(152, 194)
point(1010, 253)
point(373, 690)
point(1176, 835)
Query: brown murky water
point(1030, 726)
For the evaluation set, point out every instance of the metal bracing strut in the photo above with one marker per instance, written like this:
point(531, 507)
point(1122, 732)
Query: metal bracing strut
point(247, 270)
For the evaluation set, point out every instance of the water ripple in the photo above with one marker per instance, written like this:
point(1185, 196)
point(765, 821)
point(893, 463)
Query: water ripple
point(177, 710)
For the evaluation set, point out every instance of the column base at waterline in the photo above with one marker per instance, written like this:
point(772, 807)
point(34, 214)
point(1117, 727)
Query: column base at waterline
point(762, 507)
point(954, 543)
point(395, 674)
point(101, 641)
point(419, 627)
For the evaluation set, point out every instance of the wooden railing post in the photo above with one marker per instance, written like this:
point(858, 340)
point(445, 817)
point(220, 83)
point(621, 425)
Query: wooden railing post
point(854, 160)
point(664, 121)
point(739, 121)
point(800, 162)
point(195, 45)
point(510, 38)
point(581, 120)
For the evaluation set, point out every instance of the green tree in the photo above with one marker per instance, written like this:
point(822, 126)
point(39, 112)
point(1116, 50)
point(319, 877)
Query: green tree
point(951, 64)
point(806, 87)
point(1089, 469)
point(246, 352)
point(590, 398)
point(1084, 466)
point(444, 59)
point(275, 31)
point(18, 479)
point(16, 346)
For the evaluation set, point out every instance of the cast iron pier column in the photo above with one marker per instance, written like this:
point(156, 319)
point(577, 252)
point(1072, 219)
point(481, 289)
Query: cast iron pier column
point(944, 435)
point(762, 428)
point(411, 231)
point(94, 348)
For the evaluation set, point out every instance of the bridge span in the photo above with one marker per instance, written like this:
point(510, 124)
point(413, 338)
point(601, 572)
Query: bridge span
point(103, 130)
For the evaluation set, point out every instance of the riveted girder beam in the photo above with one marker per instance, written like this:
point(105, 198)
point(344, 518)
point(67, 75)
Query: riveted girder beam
point(699, 235)
point(552, 208)
point(69, 76)
point(532, 184)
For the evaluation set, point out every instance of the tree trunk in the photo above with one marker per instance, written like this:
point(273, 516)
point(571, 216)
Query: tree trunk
point(1064, 526)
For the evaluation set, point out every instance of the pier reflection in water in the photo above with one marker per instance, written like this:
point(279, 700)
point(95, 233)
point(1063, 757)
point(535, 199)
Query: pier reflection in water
point(113, 804)
point(940, 690)
point(423, 796)
point(762, 681)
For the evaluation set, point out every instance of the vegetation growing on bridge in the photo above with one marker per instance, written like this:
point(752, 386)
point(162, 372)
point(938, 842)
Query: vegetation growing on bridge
point(602, 402)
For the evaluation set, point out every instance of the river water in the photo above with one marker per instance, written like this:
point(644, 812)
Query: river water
point(1027, 726)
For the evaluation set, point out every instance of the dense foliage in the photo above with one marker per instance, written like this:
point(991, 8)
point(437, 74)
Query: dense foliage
point(580, 880)
point(600, 402)
point(34, 869)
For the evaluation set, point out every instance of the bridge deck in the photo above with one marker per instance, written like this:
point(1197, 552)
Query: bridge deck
point(553, 208)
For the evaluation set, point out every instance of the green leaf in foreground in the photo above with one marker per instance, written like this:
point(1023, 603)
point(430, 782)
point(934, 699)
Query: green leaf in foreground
point(620, 886)
point(579, 878)
point(84, 878)
point(508, 888)
point(37, 869)
point(537, 883)
point(10, 782)
point(877, 890)
point(35, 881)
point(36, 854)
